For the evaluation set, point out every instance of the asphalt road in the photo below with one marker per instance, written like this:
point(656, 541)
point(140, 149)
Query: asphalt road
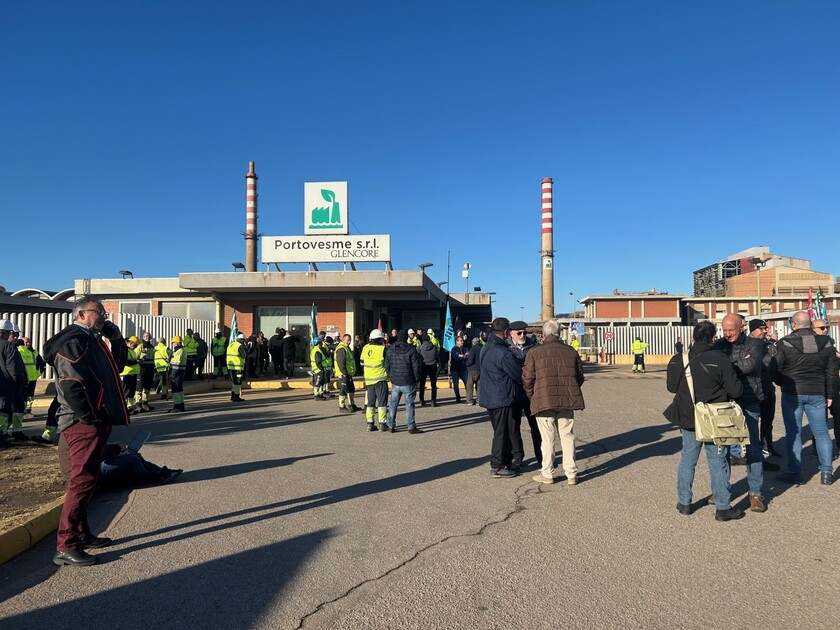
point(289, 515)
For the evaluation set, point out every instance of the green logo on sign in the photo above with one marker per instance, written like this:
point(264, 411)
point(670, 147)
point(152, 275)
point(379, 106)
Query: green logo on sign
point(328, 217)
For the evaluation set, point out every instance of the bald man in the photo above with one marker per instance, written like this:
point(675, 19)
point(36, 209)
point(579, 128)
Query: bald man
point(746, 354)
point(805, 367)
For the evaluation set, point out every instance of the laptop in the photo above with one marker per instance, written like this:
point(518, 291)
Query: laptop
point(139, 440)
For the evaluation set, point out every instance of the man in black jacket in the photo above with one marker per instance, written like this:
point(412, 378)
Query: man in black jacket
point(746, 354)
point(805, 367)
point(714, 381)
point(404, 366)
point(13, 380)
point(90, 401)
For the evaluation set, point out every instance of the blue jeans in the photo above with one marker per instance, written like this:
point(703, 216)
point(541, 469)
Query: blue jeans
point(397, 391)
point(814, 407)
point(755, 458)
point(458, 375)
point(718, 470)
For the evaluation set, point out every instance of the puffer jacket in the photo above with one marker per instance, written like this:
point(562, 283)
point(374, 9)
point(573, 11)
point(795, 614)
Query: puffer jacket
point(501, 376)
point(805, 363)
point(714, 381)
point(12, 371)
point(552, 376)
point(88, 386)
point(403, 364)
point(429, 352)
point(747, 356)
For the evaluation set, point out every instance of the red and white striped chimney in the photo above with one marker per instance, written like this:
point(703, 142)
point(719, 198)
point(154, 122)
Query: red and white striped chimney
point(251, 219)
point(547, 253)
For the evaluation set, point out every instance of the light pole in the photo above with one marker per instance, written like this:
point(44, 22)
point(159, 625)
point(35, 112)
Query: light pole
point(522, 313)
point(758, 263)
point(424, 266)
point(574, 304)
point(466, 275)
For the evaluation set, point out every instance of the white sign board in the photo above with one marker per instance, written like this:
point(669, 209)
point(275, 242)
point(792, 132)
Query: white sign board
point(314, 249)
point(325, 208)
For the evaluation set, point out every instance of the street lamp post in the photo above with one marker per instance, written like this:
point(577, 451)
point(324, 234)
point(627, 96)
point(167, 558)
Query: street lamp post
point(466, 274)
point(522, 313)
point(758, 263)
point(574, 304)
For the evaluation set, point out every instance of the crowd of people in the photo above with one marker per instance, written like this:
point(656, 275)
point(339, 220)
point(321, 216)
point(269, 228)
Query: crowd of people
point(746, 365)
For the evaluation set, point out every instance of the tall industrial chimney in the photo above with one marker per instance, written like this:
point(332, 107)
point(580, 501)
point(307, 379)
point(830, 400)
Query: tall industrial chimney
point(547, 254)
point(251, 219)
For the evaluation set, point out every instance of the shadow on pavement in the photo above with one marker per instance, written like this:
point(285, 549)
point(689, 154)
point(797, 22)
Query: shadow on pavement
point(221, 522)
point(648, 439)
point(220, 472)
point(233, 591)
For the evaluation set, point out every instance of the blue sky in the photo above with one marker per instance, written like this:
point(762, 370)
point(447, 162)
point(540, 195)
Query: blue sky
point(676, 133)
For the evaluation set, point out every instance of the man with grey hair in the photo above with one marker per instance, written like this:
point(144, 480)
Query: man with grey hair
point(805, 367)
point(552, 376)
point(90, 400)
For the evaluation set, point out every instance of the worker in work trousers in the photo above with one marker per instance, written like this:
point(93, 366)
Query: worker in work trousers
point(375, 365)
point(236, 354)
point(177, 372)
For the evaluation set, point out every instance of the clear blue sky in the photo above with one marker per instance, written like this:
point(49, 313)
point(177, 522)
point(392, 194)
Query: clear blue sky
point(676, 133)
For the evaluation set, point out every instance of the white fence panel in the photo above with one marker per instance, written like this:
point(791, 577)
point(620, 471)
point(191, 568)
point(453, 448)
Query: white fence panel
point(39, 327)
point(167, 327)
point(660, 339)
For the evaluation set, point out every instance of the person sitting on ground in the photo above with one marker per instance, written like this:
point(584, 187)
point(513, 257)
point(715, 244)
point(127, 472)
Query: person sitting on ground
point(120, 468)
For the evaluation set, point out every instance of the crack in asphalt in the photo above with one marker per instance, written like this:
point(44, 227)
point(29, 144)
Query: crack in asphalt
point(523, 492)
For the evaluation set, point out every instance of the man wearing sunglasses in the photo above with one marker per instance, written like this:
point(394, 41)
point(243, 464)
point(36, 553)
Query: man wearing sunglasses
point(820, 327)
point(805, 367)
point(90, 400)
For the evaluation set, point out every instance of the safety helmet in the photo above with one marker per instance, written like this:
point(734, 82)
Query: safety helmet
point(376, 334)
point(410, 331)
point(134, 339)
point(177, 339)
point(16, 329)
point(430, 331)
point(6, 325)
point(240, 336)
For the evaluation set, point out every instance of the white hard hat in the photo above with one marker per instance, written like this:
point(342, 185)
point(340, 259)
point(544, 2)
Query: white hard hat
point(240, 336)
point(5, 324)
point(376, 334)
point(410, 331)
point(430, 331)
point(15, 328)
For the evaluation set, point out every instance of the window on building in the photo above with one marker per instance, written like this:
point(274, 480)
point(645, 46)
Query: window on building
point(294, 319)
point(189, 310)
point(136, 308)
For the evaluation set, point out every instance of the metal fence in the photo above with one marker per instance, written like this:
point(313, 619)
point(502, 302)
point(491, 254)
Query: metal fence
point(660, 339)
point(41, 326)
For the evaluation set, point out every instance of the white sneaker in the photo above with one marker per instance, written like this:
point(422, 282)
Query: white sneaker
point(539, 478)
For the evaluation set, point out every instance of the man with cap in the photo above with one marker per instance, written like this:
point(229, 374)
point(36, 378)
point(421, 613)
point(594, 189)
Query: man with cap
point(237, 356)
point(805, 367)
point(177, 373)
point(767, 412)
point(520, 345)
point(501, 380)
point(374, 359)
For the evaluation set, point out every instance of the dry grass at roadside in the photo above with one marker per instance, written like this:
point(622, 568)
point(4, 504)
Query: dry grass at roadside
point(29, 480)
